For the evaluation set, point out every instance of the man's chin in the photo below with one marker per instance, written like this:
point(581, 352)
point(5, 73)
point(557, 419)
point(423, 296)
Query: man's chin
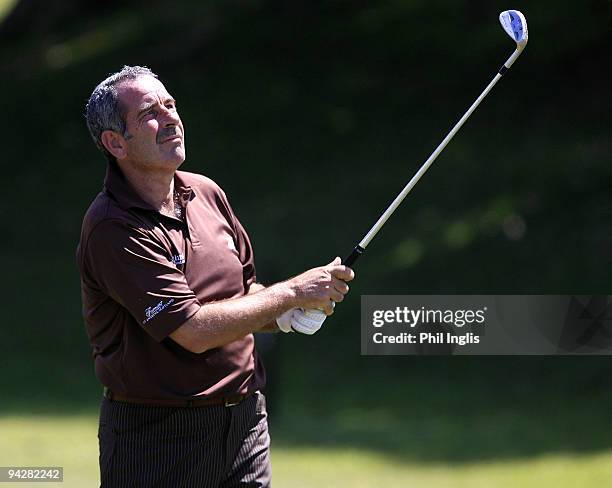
point(160, 162)
point(177, 158)
point(181, 159)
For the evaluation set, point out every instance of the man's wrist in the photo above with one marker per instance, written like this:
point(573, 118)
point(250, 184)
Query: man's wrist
point(283, 293)
point(287, 295)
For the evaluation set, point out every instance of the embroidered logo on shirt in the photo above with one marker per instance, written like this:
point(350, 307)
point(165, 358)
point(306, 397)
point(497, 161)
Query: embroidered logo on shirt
point(151, 312)
point(230, 243)
point(178, 259)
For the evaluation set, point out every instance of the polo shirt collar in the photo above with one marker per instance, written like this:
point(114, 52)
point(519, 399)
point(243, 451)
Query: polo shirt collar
point(185, 192)
point(118, 186)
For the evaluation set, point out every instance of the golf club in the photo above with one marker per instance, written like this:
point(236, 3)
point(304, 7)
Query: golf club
point(515, 25)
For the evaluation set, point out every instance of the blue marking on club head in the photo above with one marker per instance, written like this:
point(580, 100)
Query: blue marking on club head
point(517, 25)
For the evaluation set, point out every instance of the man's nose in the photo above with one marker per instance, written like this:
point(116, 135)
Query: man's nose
point(170, 117)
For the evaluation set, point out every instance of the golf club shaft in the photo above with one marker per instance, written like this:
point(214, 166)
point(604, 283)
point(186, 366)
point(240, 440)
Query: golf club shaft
point(360, 248)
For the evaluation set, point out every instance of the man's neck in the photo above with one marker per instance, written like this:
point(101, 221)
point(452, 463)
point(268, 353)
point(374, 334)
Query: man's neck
point(154, 187)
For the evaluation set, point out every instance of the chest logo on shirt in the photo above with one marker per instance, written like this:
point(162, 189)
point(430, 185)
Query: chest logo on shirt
point(151, 312)
point(178, 259)
point(231, 245)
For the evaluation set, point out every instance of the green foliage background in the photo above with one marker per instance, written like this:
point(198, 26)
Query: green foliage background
point(312, 115)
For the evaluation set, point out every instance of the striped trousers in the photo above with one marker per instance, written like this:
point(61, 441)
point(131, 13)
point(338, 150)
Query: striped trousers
point(206, 447)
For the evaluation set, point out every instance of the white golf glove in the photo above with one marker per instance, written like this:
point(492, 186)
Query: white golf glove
point(284, 321)
point(300, 320)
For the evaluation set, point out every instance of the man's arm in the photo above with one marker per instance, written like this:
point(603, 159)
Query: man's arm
point(271, 326)
point(219, 323)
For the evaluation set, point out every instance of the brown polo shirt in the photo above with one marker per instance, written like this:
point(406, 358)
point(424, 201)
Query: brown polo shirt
point(144, 274)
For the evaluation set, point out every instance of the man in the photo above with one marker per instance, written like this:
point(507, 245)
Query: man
point(170, 301)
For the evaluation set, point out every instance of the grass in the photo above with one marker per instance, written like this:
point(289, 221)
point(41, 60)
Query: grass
point(303, 468)
point(70, 441)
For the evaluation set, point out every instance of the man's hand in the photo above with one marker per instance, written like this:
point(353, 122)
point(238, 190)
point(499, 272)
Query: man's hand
point(283, 321)
point(329, 287)
point(319, 287)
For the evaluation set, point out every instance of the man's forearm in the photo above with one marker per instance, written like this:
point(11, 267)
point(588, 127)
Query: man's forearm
point(219, 323)
point(271, 326)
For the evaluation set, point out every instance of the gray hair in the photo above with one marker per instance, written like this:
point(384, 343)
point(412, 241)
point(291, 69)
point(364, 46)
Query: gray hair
point(103, 111)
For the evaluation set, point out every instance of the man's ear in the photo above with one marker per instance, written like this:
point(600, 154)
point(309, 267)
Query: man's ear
point(114, 143)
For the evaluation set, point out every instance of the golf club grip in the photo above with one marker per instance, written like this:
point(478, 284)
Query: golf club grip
point(353, 256)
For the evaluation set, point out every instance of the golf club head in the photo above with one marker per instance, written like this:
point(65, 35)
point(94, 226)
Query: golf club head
point(515, 24)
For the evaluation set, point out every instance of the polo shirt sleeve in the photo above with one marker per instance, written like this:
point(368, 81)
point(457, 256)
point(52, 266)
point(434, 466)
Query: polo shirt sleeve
point(245, 253)
point(133, 268)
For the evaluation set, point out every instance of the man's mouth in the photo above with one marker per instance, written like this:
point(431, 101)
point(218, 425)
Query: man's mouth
point(172, 139)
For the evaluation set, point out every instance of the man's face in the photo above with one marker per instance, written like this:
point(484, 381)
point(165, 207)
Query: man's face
point(155, 136)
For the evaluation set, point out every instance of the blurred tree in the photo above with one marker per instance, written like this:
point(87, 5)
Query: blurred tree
point(39, 18)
